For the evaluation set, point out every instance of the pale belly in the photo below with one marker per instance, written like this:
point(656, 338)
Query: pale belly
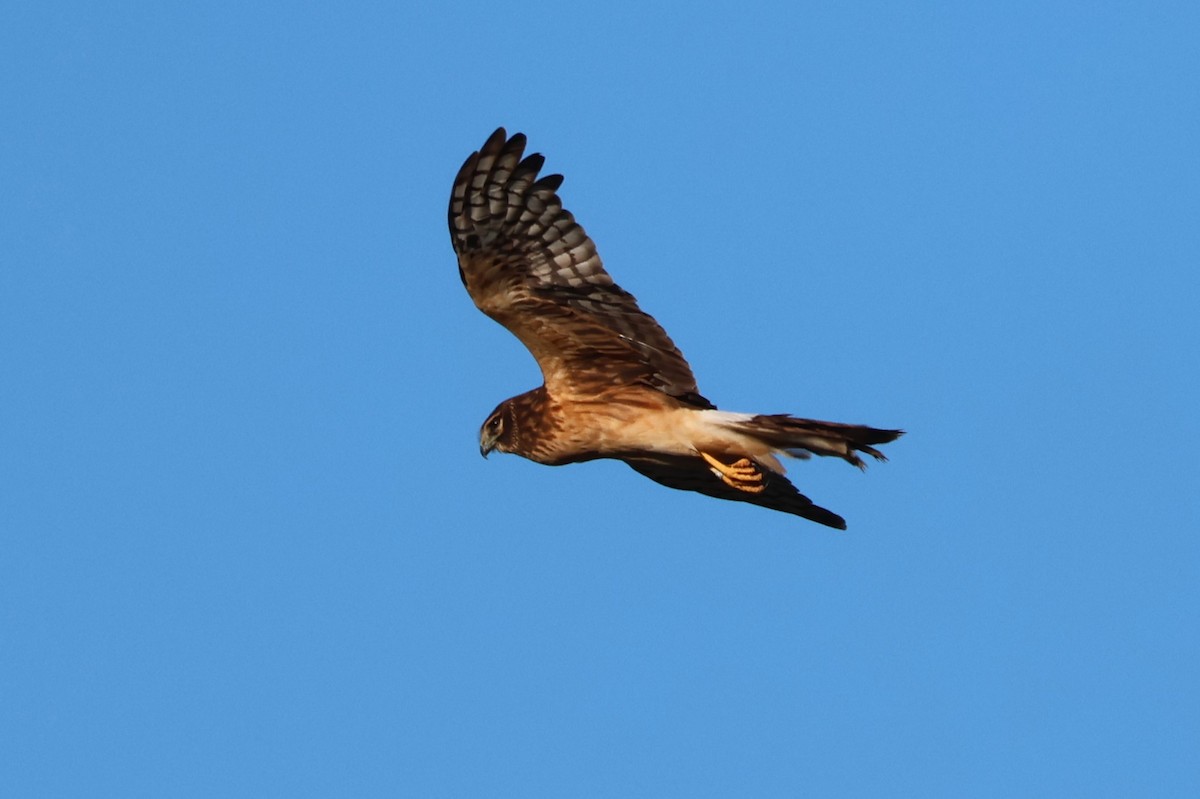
point(611, 430)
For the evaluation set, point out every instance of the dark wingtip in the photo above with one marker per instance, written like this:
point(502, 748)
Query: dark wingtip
point(498, 137)
point(551, 182)
point(828, 518)
point(532, 164)
point(815, 513)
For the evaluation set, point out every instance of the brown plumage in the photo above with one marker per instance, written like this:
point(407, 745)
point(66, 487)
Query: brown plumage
point(615, 385)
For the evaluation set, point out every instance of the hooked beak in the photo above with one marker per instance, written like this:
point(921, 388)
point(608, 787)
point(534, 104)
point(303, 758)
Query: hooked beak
point(486, 445)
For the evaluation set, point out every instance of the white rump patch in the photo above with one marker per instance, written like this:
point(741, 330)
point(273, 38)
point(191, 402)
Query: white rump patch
point(728, 416)
point(717, 433)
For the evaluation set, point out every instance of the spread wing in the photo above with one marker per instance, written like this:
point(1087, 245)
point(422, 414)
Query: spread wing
point(693, 474)
point(528, 264)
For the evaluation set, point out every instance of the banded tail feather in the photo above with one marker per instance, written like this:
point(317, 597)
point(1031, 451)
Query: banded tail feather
point(800, 437)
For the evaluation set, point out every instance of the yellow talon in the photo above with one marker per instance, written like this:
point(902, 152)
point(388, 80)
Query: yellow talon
point(742, 474)
point(749, 489)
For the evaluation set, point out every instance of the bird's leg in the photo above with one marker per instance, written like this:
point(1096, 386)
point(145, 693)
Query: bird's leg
point(742, 475)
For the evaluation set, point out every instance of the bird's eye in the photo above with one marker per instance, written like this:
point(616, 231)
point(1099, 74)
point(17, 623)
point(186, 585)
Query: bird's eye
point(494, 424)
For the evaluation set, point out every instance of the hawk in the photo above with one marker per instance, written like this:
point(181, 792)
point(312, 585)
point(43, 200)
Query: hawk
point(615, 385)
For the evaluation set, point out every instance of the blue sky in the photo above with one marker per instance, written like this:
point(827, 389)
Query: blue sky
point(249, 547)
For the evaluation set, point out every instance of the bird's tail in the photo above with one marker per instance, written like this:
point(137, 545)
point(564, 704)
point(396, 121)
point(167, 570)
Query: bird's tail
point(803, 437)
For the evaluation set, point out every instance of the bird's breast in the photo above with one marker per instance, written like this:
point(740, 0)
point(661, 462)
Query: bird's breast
point(613, 427)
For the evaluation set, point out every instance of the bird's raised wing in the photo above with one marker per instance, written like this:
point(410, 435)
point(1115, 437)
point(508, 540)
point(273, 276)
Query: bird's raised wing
point(528, 264)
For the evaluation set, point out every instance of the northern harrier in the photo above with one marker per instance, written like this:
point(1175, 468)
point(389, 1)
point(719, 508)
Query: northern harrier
point(615, 385)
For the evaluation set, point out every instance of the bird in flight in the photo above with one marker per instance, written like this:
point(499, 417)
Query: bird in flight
point(615, 385)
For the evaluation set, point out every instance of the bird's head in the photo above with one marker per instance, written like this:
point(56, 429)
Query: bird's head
point(498, 431)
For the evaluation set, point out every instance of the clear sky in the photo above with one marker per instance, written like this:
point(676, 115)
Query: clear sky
point(248, 546)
